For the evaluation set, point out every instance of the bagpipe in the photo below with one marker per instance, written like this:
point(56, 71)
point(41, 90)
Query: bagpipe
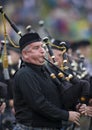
point(71, 88)
point(4, 54)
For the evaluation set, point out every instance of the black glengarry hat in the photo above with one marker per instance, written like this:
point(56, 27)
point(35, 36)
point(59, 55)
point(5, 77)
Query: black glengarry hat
point(28, 38)
point(84, 43)
point(77, 44)
point(57, 44)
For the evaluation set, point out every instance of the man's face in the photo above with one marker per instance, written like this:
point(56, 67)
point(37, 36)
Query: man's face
point(86, 51)
point(34, 54)
point(13, 57)
point(58, 56)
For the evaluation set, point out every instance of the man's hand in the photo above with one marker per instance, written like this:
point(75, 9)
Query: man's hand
point(82, 109)
point(78, 107)
point(74, 117)
point(86, 110)
point(2, 107)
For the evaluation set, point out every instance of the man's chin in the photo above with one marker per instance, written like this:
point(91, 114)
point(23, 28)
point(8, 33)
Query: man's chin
point(42, 62)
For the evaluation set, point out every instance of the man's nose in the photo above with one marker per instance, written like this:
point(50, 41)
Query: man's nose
point(42, 50)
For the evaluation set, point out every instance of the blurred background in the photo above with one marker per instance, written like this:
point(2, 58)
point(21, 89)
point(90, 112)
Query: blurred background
point(69, 20)
point(64, 19)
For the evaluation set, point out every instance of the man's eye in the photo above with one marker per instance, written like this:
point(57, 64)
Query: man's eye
point(36, 47)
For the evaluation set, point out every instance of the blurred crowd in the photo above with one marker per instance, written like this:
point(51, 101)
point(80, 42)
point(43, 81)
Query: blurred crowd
point(65, 19)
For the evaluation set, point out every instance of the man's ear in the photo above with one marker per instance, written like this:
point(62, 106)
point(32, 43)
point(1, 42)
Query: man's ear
point(25, 54)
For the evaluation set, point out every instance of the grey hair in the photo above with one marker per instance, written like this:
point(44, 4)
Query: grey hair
point(26, 48)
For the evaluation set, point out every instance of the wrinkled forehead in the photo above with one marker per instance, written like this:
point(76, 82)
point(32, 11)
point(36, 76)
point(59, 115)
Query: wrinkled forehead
point(57, 51)
point(38, 43)
point(34, 44)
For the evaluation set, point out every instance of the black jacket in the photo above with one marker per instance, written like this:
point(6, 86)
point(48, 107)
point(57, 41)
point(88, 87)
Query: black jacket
point(37, 99)
point(72, 92)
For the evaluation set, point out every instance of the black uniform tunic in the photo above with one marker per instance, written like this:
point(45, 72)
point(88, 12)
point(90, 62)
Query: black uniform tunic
point(37, 99)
